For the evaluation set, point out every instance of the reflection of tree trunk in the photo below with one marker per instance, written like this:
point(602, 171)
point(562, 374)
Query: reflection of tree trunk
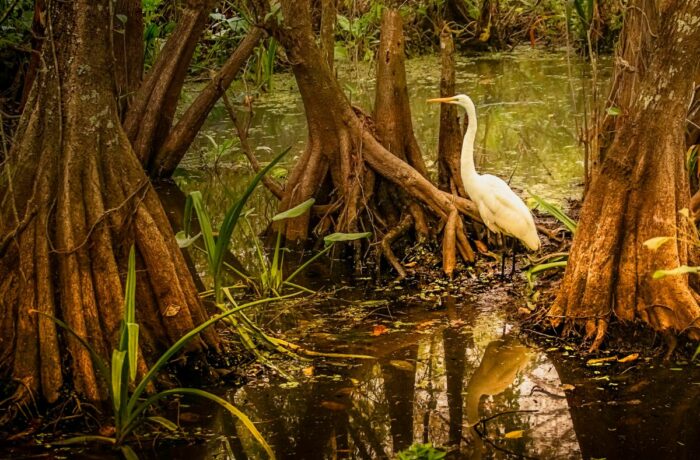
point(637, 189)
point(74, 198)
point(399, 387)
point(454, 344)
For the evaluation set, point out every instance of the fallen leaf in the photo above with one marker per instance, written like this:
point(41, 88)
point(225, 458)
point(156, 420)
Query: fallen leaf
point(514, 434)
point(410, 264)
point(402, 365)
point(379, 329)
point(628, 358)
point(172, 310)
point(567, 387)
point(426, 324)
point(308, 371)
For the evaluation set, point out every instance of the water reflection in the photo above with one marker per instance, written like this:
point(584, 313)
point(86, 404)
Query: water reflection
point(465, 384)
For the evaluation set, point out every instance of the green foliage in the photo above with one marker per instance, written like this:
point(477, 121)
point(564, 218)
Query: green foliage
point(217, 245)
point(421, 452)
point(555, 212)
point(271, 277)
point(129, 411)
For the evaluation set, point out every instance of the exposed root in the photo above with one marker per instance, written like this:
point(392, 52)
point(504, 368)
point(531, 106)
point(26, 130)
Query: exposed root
point(404, 226)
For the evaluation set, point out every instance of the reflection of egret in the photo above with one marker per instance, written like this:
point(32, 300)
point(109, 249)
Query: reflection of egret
point(499, 366)
point(502, 211)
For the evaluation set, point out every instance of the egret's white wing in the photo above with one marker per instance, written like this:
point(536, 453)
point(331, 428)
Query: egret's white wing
point(502, 210)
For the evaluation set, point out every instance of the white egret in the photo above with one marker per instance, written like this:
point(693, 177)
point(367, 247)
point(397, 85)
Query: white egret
point(502, 211)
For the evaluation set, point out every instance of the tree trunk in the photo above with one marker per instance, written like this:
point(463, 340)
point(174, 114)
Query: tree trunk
point(74, 199)
point(329, 12)
point(450, 137)
point(150, 115)
point(342, 156)
point(637, 193)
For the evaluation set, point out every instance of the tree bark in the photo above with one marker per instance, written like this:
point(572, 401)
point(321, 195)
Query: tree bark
point(74, 198)
point(150, 115)
point(329, 12)
point(183, 133)
point(637, 193)
point(450, 137)
point(343, 156)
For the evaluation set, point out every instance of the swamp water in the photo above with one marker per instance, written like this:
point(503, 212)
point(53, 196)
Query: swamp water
point(450, 369)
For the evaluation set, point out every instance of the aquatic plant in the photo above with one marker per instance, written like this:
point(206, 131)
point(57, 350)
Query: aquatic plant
point(271, 277)
point(422, 452)
point(129, 409)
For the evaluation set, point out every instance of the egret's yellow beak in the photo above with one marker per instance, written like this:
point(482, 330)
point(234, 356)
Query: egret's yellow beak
point(446, 100)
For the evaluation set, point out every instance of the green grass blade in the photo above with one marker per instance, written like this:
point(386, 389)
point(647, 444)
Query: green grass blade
point(231, 218)
point(307, 263)
point(133, 348)
point(182, 341)
point(223, 403)
point(164, 422)
point(341, 237)
point(118, 358)
point(130, 294)
point(205, 227)
point(555, 212)
point(187, 216)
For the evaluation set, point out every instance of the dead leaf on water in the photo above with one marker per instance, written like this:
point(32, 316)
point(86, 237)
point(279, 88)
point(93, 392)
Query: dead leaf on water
point(514, 434)
point(628, 358)
point(426, 324)
point(402, 365)
point(308, 371)
point(379, 329)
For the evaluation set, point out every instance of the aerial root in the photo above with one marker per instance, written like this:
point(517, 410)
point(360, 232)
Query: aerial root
point(449, 243)
point(404, 225)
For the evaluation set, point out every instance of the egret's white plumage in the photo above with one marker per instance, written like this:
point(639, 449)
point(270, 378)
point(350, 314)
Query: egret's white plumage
point(499, 207)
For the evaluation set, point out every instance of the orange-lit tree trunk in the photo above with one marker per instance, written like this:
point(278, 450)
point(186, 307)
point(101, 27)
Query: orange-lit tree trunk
point(639, 186)
point(73, 199)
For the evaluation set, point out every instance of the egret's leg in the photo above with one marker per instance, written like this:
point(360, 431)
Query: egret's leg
point(513, 249)
point(503, 262)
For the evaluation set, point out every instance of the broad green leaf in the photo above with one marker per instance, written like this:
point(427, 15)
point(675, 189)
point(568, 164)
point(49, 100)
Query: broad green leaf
point(339, 237)
point(296, 211)
point(657, 242)
point(130, 291)
point(118, 358)
point(164, 422)
point(613, 111)
point(133, 333)
point(682, 270)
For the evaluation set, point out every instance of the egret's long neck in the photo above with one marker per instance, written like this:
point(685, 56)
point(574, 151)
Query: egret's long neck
point(467, 160)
